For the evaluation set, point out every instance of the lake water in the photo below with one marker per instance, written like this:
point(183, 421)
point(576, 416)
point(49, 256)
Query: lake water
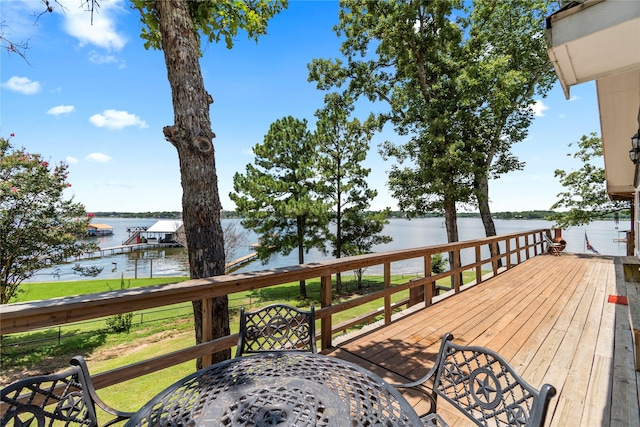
point(602, 235)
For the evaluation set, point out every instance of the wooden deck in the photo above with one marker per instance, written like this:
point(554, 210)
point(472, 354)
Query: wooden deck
point(550, 317)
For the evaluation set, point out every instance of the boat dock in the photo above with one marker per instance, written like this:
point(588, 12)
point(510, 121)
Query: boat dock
point(237, 263)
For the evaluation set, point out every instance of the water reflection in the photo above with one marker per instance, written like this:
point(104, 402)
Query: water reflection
point(163, 262)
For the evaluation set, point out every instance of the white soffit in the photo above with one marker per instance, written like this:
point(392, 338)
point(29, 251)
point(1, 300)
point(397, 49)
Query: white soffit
point(596, 39)
point(619, 104)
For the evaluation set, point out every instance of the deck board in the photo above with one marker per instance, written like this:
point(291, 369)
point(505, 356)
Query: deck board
point(549, 317)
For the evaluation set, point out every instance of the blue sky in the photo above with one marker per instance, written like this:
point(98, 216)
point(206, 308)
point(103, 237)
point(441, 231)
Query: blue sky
point(94, 97)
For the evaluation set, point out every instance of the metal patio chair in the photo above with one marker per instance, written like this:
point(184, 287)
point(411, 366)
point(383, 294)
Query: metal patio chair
point(66, 399)
point(276, 327)
point(483, 386)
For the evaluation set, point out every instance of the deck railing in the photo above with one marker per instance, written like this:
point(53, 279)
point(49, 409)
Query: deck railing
point(494, 254)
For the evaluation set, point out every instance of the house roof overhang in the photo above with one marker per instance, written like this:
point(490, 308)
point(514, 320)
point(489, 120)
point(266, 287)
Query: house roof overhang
point(600, 40)
point(595, 39)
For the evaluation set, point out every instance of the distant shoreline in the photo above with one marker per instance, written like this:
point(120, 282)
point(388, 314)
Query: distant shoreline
point(535, 214)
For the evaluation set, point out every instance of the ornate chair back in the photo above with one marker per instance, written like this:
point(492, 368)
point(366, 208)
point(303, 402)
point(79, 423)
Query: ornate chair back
point(45, 399)
point(488, 389)
point(276, 327)
point(484, 387)
point(64, 399)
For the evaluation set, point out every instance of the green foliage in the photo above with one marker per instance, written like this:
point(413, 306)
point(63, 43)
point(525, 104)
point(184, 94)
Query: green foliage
point(278, 196)
point(507, 65)
point(458, 82)
point(120, 322)
point(38, 227)
point(215, 19)
point(342, 146)
point(438, 264)
point(403, 54)
point(585, 197)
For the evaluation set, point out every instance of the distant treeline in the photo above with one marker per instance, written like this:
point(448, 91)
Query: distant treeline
point(164, 215)
point(495, 215)
point(393, 214)
point(160, 215)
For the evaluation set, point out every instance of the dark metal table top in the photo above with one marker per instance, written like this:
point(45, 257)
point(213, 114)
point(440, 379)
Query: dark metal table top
point(279, 389)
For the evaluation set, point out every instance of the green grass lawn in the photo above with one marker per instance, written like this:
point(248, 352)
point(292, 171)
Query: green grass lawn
point(47, 290)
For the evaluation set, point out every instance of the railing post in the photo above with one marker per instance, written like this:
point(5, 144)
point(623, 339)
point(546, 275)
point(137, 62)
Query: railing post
point(387, 299)
point(430, 285)
point(325, 322)
point(518, 255)
point(458, 275)
point(526, 246)
point(479, 266)
point(507, 251)
point(207, 332)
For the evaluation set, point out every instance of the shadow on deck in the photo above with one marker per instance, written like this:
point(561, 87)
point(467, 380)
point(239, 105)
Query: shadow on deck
point(551, 317)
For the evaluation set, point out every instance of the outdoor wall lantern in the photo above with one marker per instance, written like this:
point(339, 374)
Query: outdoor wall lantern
point(634, 153)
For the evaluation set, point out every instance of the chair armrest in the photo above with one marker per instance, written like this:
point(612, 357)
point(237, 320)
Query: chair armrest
point(119, 415)
point(432, 372)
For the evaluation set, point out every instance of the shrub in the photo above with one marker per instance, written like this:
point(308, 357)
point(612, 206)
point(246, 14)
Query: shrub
point(120, 322)
point(438, 263)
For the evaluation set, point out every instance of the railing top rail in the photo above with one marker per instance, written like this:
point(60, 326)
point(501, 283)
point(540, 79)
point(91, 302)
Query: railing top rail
point(25, 316)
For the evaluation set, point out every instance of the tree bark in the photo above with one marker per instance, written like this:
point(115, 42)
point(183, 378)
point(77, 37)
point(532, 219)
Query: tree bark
point(300, 227)
point(451, 223)
point(451, 219)
point(192, 136)
point(481, 188)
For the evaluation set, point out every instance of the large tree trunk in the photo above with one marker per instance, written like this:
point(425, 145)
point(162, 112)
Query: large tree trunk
point(451, 219)
point(481, 188)
point(451, 223)
point(192, 136)
point(339, 238)
point(300, 227)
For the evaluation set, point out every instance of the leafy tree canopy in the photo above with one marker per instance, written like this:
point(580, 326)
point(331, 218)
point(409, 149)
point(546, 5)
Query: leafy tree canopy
point(585, 197)
point(38, 227)
point(216, 19)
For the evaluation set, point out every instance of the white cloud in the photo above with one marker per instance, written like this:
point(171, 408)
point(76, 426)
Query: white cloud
point(113, 119)
point(102, 32)
point(98, 59)
point(539, 108)
point(71, 160)
point(61, 109)
point(574, 98)
point(22, 85)
point(249, 152)
point(98, 158)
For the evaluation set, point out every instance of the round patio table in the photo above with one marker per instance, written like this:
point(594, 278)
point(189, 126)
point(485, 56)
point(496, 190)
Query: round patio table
point(279, 389)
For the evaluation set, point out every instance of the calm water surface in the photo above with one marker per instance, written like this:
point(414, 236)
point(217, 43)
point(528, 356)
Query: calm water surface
point(602, 235)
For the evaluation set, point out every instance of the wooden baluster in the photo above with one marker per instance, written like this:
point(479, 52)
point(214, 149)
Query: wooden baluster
point(387, 299)
point(325, 301)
